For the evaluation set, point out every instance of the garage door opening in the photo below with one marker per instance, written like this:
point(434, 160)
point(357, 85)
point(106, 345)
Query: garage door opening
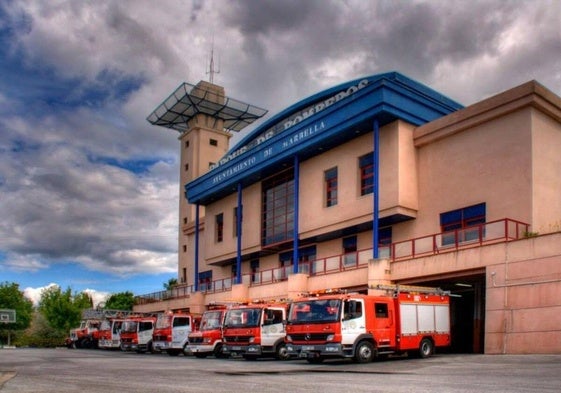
point(467, 311)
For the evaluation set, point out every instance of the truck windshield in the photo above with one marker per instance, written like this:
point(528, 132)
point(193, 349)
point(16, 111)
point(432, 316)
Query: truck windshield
point(243, 317)
point(164, 321)
point(211, 320)
point(314, 311)
point(129, 326)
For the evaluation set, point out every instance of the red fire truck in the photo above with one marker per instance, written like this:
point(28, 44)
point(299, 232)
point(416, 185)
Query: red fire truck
point(172, 330)
point(338, 325)
point(89, 332)
point(86, 335)
point(207, 340)
point(136, 333)
point(256, 330)
point(110, 333)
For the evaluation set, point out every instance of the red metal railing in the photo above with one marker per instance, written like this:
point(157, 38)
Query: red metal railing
point(491, 232)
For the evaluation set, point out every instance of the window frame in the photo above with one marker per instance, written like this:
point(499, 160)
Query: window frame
point(331, 178)
point(219, 228)
point(366, 174)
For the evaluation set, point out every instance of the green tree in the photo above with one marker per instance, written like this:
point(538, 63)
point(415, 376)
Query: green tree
point(63, 310)
point(120, 301)
point(12, 298)
point(172, 282)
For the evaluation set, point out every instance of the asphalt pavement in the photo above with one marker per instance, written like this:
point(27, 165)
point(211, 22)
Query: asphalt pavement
point(103, 371)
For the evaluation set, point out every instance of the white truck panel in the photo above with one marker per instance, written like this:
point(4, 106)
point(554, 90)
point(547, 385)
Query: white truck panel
point(419, 318)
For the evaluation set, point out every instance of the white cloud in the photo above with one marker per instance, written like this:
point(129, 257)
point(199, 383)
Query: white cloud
point(34, 294)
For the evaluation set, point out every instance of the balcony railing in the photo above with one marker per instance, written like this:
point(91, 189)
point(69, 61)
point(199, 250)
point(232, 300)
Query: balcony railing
point(492, 232)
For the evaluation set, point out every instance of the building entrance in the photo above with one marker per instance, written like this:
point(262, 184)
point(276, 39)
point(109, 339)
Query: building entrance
point(467, 311)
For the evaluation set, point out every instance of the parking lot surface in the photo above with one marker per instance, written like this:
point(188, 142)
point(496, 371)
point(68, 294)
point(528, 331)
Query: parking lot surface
point(65, 370)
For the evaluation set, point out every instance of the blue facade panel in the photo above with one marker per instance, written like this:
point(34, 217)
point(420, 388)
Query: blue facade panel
point(322, 121)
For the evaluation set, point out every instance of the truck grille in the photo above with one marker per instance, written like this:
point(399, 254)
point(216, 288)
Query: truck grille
point(160, 337)
point(195, 340)
point(237, 339)
point(307, 337)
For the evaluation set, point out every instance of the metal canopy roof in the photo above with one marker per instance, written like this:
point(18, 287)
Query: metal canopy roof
point(188, 100)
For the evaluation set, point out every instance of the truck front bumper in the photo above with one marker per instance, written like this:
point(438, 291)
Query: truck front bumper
point(316, 350)
point(243, 349)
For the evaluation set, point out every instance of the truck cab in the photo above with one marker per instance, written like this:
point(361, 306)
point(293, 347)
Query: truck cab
point(255, 330)
point(171, 334)
point(136, 334)
point(110, 333)
point(207, 340)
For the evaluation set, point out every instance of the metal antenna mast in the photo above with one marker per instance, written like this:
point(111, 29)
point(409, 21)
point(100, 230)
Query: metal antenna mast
point(212, 70)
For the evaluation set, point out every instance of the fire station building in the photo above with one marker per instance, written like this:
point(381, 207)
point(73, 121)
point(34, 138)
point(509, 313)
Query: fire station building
point(380, 180)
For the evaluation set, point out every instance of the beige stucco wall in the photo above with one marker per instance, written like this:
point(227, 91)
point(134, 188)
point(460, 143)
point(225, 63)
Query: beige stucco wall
point(546, 164)
point(460, 171)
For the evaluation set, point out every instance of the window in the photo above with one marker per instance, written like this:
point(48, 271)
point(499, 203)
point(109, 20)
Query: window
point(330, 177)
point(184, 248)
point(456, 224)
point(213, 142)
point(285, 260)
point(255, 277)
point(306, 260)
point(381, 310)
point(184, 275)
point(278, 209)
point(186, 144)
point(352, 309)
point(211, 164)
point(349, 251)
point(181, 321)
point(186, 167)
point(384, 241)
point(219, 228)
point(385, 236)
point(205, 280)
point(366, 165)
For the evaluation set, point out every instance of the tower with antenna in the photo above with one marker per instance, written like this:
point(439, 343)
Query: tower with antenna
point(205, 119)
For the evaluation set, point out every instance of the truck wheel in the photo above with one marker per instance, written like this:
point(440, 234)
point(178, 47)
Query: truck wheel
point(282, 352)
point(426, 348)
point(218, 354)
point(364, 352)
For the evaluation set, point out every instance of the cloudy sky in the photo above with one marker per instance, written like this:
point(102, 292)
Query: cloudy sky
point(89, 189)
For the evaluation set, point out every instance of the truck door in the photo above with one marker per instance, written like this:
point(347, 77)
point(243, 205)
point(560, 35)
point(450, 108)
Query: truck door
point(383, 324)
point(145, 330)
point(354, 321)
point(180, 330)
point(272, 328)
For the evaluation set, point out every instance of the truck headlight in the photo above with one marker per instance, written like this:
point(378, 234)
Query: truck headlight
point(330, 337)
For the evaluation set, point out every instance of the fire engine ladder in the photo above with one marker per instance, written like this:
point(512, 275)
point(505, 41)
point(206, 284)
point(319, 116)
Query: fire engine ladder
point(397, 288)
point(103, 314)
